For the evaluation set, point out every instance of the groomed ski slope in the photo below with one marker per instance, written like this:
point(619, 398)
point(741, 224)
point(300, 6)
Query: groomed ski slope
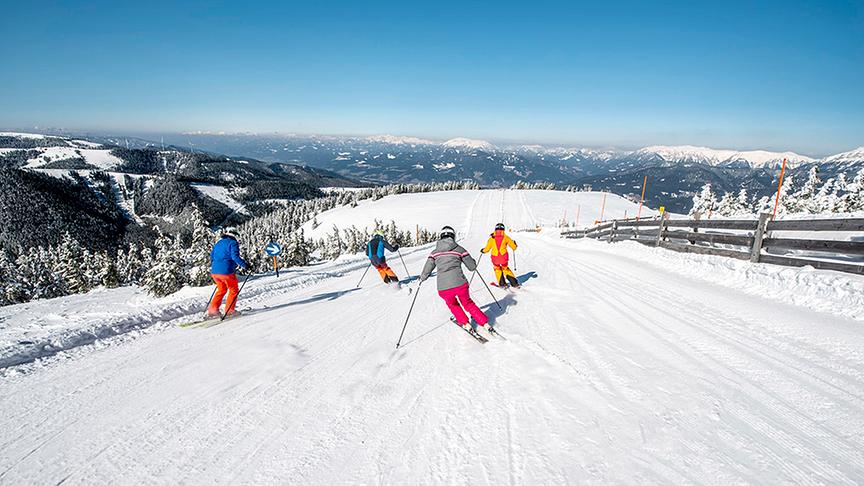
point(615, 370)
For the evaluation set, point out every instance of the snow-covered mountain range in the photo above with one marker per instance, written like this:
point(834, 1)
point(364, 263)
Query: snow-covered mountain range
point(96, 190)
point(675, 172)
point(688, 154)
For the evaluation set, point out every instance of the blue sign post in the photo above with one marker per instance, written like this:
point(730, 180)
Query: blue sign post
point(274, 250)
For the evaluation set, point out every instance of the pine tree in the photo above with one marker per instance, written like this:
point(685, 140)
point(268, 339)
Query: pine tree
point(166, 276)
point(805, 198)
point(37, 275)
point(198, 255)
point(742, 203)
point(297, 253)
point(108, 276)
point(11, 289)
point(68, 265)
point(704, 202)
point(853, 200)
point(826, 200)
point(91, 266)
point(786, 203)
point(727, 205)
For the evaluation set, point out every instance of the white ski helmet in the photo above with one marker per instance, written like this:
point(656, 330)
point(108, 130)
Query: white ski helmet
point(448, 232)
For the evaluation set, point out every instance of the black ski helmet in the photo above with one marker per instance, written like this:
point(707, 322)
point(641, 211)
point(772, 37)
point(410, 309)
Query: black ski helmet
point(448, 232)
point(229, 231)
point(499, 226)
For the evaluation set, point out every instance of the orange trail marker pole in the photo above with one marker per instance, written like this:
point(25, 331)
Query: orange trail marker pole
point(779, 185)
point(603, 207)
point(642, 200)
point(276, 266)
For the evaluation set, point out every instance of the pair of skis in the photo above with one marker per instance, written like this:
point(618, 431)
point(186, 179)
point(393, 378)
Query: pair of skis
point(208, 321)
point(476, 335)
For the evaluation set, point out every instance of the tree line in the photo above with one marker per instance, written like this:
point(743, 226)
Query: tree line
point(814, 196)
point(174, 260)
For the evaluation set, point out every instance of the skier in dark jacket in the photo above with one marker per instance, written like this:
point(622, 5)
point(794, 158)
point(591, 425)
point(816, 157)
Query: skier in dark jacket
point(225, 258)
point(375, 251)
point(449, 257)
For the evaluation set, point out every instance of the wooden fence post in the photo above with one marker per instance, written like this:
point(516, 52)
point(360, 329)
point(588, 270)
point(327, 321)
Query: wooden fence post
point(756, 251)
point(662, 229)
point(612, 230)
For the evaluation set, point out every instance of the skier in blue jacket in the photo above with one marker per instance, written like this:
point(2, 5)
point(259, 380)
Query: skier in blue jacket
point(375, 251)
point(225, 258)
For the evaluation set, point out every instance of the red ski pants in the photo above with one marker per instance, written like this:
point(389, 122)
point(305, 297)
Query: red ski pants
point(224, 283)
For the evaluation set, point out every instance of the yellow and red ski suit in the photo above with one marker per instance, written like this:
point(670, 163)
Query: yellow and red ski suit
point(497, 248)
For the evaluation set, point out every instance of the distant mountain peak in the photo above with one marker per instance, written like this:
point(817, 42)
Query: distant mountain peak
point(854, 156)
point(721, 157)
point(400, 140)
point(468, 143)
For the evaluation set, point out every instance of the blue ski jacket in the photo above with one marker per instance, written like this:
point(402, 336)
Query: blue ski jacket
point(225, 257)
point(375, 250)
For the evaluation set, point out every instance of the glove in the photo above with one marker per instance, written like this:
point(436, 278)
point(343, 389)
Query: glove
point(482, 250)
point(396, 248)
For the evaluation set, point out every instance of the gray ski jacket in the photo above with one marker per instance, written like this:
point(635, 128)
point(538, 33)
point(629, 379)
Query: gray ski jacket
point(448, 257)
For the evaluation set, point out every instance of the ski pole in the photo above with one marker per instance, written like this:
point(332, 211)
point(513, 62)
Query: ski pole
point(514, 260)
point(403, 264)
point(235, 297)
point(493, 295)
point(364, 275)
point(475, 268)
point(409, 315)
point(211, 298)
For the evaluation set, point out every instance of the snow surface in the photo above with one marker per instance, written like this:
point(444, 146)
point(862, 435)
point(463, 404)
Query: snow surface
point(22, 135)
point(101, 159)
point(622, 365)
point(221, 194)
point(433, 210)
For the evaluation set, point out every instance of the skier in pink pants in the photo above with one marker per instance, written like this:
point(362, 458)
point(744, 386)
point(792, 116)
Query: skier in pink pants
point(448, 257)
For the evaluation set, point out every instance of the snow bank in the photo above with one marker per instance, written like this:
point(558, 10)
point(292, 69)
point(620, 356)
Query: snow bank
point(42, 328)
point(820, 290)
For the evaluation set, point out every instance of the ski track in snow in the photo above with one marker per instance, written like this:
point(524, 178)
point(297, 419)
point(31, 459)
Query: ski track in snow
point(612, 371)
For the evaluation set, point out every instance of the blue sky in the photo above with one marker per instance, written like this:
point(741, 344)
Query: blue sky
point(772, 74)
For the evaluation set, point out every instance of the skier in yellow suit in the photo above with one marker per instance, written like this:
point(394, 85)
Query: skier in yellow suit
point(497, 246)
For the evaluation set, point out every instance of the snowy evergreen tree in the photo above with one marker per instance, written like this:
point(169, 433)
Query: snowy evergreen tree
point(166, 276)
point(12, 291)
point(787, 202)
point(108, 276)
point(91, 266)
point(68, 264)
point(704, 202)
point(826, 199)
point(297, 251)
point(36, 277)
point(805, 199)
point(198, 255)
point(742, 203)
point(727, 205)
point(853, 199)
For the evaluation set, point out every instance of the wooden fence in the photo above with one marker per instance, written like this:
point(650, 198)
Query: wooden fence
point(745, 239)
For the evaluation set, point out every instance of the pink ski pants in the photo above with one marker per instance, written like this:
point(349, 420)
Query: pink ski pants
point(453, 297)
